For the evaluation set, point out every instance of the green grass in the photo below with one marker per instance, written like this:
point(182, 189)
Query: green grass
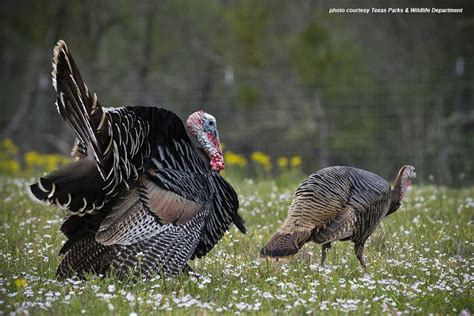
point(420, 260)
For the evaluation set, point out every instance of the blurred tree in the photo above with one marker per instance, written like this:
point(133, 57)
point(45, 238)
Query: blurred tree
point(286, 78)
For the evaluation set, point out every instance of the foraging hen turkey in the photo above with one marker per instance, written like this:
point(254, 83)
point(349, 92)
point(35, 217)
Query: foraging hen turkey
point(338, 203)
point(144, 195)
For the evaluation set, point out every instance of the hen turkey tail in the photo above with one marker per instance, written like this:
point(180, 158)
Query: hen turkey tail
point(285, 244)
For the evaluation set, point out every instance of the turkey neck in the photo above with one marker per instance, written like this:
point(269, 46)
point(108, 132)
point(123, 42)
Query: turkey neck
point(397, 188)
point(202, 154)
point(396, 194)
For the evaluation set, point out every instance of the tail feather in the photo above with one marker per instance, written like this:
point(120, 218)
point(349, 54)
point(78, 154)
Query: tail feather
point(285, 244)
point(79, 186)
point(76, 187)
point(81, 109)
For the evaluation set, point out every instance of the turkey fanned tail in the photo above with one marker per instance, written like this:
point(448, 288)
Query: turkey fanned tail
point(112, 144)
point(81, 109)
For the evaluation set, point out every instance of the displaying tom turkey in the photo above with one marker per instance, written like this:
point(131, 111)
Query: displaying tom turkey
point(338, 203)
point(144, 195)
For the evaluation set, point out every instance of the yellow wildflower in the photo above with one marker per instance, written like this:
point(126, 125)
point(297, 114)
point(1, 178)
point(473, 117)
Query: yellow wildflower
point(262, 159)
point(8, 155)
point(282, 162)
point(9, 166)
point(295, 161)
point(32, 159)
point(46, 162)
point(20, 282)
point(234, 159)
point(9, 147)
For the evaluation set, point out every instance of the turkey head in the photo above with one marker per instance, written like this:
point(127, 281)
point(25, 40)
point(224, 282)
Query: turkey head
point(203, 129)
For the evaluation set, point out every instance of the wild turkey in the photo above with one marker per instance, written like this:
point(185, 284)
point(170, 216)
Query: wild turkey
point(144, 195)
point(338, 203)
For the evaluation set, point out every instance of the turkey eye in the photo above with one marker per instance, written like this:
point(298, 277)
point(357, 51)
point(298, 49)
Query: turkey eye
point(211, 123)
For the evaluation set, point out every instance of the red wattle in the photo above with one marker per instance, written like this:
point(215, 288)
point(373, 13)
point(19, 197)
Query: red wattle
point(217, 163)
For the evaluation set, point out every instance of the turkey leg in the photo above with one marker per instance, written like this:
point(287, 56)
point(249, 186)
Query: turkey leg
point(359, 252)
point(325, 250)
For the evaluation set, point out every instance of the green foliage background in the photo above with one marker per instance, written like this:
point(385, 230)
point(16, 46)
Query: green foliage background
point(375, 91)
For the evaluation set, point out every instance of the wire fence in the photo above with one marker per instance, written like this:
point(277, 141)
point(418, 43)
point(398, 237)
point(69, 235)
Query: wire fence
point(379, 127)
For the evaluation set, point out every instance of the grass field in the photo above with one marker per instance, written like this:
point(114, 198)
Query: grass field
point(420, 260)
